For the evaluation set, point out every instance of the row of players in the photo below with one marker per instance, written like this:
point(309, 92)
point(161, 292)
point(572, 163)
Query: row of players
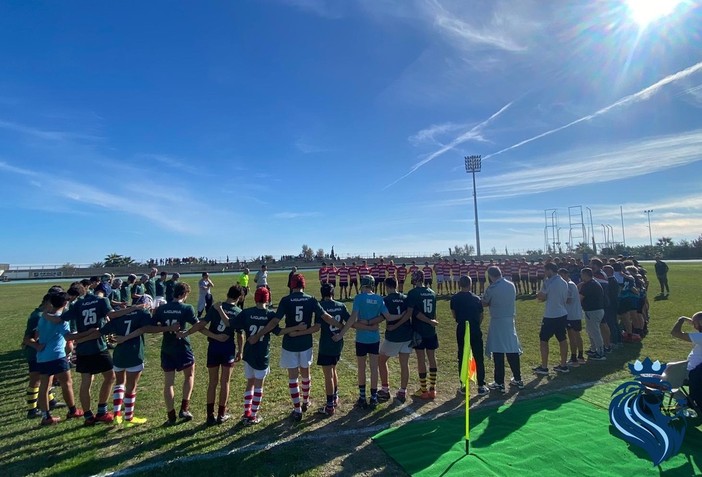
point(527, 276)
point(86, 319)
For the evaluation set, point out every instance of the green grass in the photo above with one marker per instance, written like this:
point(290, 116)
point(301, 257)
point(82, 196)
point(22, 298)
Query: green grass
point(70, 449)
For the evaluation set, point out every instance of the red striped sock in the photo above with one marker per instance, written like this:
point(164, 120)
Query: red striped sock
point(294, 393)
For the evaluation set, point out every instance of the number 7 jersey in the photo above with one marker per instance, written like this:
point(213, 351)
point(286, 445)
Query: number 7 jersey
point(298, 308)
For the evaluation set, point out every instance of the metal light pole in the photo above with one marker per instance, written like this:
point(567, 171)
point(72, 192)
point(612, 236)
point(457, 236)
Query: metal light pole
point(473, 164)
point(650, 235)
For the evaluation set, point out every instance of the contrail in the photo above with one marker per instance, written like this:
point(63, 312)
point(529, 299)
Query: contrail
point(472, 134)
point(642, 95)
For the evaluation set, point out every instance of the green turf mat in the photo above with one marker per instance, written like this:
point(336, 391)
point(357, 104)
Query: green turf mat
point(559, 434)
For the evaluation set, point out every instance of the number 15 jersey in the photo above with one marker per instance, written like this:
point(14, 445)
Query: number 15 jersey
point(423, 300)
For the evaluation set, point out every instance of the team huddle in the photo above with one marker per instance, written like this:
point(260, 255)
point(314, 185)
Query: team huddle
point(79, 326)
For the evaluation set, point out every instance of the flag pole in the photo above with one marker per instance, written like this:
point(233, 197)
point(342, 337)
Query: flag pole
point(466, 369)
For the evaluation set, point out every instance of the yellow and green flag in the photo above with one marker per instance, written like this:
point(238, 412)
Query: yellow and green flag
point(469, 372)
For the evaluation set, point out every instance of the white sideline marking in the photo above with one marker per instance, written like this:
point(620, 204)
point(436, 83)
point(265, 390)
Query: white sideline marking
point(412, 416)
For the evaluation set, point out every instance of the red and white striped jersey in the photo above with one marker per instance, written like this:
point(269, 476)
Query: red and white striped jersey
point(401, 273)
point(464, 269)
point(332, 271)
point(427, 272)
point(391, 269)
point(353, 272)
point(382, 268)
point(344, 274)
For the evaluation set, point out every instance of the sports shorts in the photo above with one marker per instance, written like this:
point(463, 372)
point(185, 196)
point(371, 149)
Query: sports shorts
point(428, 342)
point(252, 373)
point(33, 366)
point(553, 327)
point(94, 363)
point(363, 349)
point(132, 369)
point(51, 368)
point(392, 348)
point(575, 325)
point(327, 359)
point(427, 282)
point(178, 361)
point(343, 284)
point(439, 279)
point(221, 354)
point(295, 359)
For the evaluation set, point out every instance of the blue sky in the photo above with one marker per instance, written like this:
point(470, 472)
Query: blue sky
point(156, 129)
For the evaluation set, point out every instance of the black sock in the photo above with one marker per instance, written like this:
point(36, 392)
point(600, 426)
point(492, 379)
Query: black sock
point(171, 415)
point(210, 409)
point(330, 400)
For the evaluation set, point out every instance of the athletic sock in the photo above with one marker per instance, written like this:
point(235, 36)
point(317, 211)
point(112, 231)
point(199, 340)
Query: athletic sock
point(129, 401)
point(573, 357)
point(210, 409)
point(88, 414)
point(46, 414)
point(362, 391)
point(374, 393)
point(52, 397)
point(221, 410)
point(294, 389)
point(306, 384)
point(184, 404)
point(256, 403)
point(171, 415)
point(248, 397)
point(72, 409)
point(32, 398)
point(117, 399)
point(432, 378)
point(330, 400)
point(102, 409)
point(386, 388)
point(423, 382)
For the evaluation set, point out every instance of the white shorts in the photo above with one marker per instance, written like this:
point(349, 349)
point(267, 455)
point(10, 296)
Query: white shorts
point(392, 349)
point(439, 279)
point(251, 373)
point(158, 301)
point(133, 369)
point(295, 359)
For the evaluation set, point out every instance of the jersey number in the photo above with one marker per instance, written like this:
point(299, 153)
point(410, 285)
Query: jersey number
point(428, 306)
point(334, 329)
point(298, 314)
point(89, 317)
point(254, 329)
point(221, 326)
point(129, 326)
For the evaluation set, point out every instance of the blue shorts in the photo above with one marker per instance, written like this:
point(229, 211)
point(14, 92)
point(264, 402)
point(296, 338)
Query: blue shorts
point(33, 366)
point(221, 354)
point(51, 368)
point(177, 362)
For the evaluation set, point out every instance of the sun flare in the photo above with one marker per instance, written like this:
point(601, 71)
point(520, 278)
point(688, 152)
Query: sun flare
point(644, 12)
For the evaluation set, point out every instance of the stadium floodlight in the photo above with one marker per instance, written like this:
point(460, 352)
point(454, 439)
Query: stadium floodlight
point(473, 165)
point(650, 235)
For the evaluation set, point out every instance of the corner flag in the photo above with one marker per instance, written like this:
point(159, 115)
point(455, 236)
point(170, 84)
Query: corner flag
point(469, 372)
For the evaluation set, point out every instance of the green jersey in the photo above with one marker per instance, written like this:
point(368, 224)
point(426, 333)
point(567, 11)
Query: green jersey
point(296, 308)
point(170, 287)
point(217, 326)
point(251, 321)
point(137, 289)
point(127, 293)
point(160, 287)
point(150, 287)
point(423, 300)
point(116, 295)
point(85, 314)
point(170, 314)
point(397, 304)
point(338, 311)
point(131, 352)
point(31, 332)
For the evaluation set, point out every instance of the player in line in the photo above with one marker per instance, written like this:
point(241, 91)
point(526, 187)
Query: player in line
point(421, 305)
point(398, 337)
point(329, 349)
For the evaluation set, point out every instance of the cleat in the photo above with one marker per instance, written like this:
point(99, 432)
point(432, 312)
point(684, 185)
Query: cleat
point(108, 417)
point(32, 413)
point(361, 403)
point(401, 397)
point(223, 418)
point(296, 416)
point(134, 421)
point(245, 417)
point(483, 390)
point(573, 363)
point(56, 405)
point(50, 421)
point(253, 420)
point(432, 394)
point(185, 415)
point(541, 370)
point(561, 369)
point(75, 414)
point(211, 421)
point(519, 384)
point(118, 419)
point(89, 421)
point(498, 387)
point(373, 402)
point(305, 406)
point(383, 396)
point(326, 410)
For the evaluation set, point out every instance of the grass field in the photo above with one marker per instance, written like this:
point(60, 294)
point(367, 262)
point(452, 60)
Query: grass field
point(318, 446)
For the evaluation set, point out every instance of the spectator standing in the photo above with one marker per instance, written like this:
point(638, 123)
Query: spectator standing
point(592, 299)
point(467, 308)
point(554, 294)
point(662, 275)
point(502, 339)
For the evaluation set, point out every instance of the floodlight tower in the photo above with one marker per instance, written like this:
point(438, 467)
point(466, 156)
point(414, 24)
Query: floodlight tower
point(650, 235)
point(473, 164)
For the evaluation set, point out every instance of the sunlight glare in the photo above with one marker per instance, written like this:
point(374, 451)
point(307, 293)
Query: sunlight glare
point(643, 12)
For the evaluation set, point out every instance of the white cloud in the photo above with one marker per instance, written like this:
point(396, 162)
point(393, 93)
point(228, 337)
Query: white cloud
point(641, 95)
point(16, 170)
point(44, 134)
point(474, 134)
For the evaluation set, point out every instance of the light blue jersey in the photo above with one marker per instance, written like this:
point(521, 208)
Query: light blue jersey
point(368, 306)
point(52, 335)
